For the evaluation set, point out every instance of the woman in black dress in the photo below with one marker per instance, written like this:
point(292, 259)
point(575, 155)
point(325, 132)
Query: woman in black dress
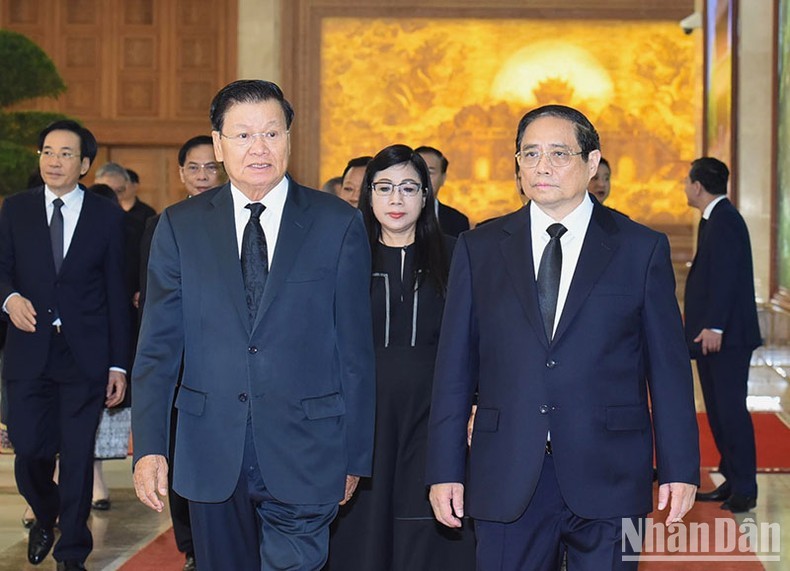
point(389, 524)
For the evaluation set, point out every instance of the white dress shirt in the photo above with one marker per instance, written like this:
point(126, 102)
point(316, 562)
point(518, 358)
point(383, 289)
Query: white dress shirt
point(576, 223)
point(274, 201)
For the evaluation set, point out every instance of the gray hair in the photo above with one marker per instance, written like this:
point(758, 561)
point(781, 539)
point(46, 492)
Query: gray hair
point(113, 169)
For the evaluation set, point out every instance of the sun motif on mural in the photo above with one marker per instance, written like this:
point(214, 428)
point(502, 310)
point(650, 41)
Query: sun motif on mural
point(463, 85)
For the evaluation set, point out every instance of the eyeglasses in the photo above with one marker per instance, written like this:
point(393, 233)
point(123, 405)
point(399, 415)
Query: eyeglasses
point(406, 188)
point(209, 168)
point(245, 139)
point(556, 157)
point(63, 155)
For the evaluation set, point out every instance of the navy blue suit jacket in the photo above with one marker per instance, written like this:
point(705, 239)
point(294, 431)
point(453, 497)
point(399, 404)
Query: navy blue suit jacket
point(89, 292)
point(720, 285)
point(304, 370)
point(618, 343)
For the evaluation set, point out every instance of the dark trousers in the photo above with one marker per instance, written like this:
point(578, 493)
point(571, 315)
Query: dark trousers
point(546, 531)
point(723, 377)
point(179, 505)
point(57, 415)
point(253, 530)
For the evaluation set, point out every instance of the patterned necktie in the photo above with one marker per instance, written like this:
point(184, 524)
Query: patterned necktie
point(549, 277)
point(56, 233)
point(254, 259)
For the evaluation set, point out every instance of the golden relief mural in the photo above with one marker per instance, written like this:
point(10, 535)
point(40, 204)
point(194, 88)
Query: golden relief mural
point(463, 85)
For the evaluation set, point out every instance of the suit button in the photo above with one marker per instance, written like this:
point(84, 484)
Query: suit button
point(252, 350)
point(551, 363)
point(243, 397)
point(544, 409)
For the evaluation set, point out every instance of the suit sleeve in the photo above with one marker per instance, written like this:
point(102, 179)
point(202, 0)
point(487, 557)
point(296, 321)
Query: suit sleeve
point(160, 346)
point(7, 262)
point(727, 250)
point(355, 346)
point(456, 374)
point(118, 300)
point(669, 374)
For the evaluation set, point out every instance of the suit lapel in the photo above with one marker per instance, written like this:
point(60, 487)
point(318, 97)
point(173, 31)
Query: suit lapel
point(294, 226)
point(597, 250)
point(39, 221)
point(221, 228)
point(82, 232)
point(516, 249)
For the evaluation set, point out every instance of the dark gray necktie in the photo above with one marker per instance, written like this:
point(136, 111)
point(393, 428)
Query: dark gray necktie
point(254, 259)
point(549, 277)
point(56, 233)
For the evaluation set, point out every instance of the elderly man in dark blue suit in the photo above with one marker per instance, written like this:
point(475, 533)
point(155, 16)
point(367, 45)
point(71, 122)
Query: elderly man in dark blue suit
point(722, 329)
point(262, 285)
point(62, 286)
point(562, 316)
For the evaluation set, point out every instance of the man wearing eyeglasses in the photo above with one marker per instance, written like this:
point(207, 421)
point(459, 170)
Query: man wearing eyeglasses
point(262, 285)
point(67, 350)
point(562, 317)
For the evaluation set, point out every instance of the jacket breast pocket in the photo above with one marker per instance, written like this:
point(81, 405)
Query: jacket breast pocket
point(627, 417)
point(486, 420)
point(190, 401)
point(324, 407)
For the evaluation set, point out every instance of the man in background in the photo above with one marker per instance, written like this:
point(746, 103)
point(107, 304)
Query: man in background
point(452, 221)
point(722, 329)
point(138, 208)
point(352, 180)
point(117, 177)
point(67, 347)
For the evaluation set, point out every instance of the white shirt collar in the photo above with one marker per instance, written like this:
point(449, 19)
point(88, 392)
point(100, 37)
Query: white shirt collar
point(709, 208)
point(274, 200)
point(576, 221)
point(71, 198)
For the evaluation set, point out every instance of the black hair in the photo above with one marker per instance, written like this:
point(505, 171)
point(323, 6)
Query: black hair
point(247, 91)
point(442, 159)
point(134, 178)
point(88, 145)
point(431, 258)
point(605, 163)
point(191, 144)
point(106, 191)
point(353, 163)
point(586, 135)
point(711, 173)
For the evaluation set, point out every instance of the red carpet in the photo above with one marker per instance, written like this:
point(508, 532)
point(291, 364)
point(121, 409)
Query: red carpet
point(159, 555)
point(770, 432)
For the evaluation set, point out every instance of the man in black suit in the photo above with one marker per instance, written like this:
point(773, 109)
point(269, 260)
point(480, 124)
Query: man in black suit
point(722, 329)
point(67, 350)
point(263, 286)
point(452, 221)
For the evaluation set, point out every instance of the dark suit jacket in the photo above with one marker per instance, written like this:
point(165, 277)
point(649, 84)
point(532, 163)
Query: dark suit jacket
point(720, 285)
point(452, 221)
point(89, 292)
point(618, 341)
point(304, 369)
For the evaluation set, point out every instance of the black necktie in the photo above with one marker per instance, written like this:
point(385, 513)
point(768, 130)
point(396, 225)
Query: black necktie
point(700, 231)
point(254, 258)
point(549, 277)
point(56, 233)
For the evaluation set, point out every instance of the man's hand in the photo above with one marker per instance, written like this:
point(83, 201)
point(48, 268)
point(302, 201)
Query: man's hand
point(351, 486)
point(710, 341)
point(22, 313)
point(447, 501)
point(116, 389)
point(682, 500)
point(150, 478)
point(470, 426)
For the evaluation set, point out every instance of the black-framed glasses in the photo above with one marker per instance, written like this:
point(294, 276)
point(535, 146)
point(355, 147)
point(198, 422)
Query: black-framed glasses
point(406, 188)
point(63, 155)
point(529, 158)
point(245, 139)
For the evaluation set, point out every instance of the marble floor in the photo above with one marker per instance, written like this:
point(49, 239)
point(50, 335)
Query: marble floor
point(128, 526)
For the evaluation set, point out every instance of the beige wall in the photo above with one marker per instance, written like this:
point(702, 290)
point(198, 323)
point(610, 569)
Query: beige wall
point(259, 40)
point(755, 124)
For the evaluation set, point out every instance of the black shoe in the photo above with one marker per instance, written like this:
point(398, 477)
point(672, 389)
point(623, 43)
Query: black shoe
point(101, 505)
point(189, 564)
point(739, 504)
point(71, 566)
point(720, 494)
point(39, 543)
point(27, 522)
